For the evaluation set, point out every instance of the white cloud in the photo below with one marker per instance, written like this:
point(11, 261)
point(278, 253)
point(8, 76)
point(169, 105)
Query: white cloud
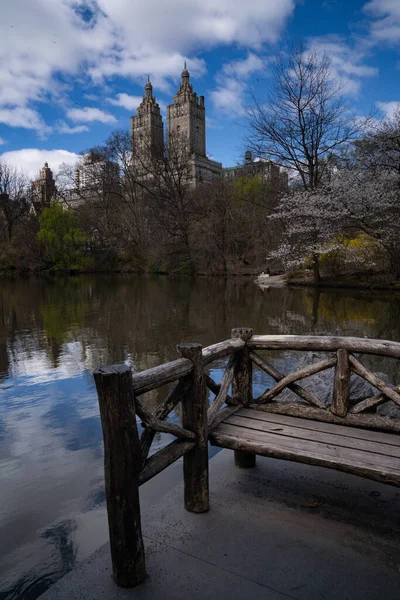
point(31, 160)
point(232, 83)
point(386, 27)
point(193, 23)
point(63, 127)
point(389, 109)
point(89, 114)
point(126, 101)
point(229, 96)
point(244, 68)
point(347, 61)
point(96, 39)
point(22, 117)
point(2, 141)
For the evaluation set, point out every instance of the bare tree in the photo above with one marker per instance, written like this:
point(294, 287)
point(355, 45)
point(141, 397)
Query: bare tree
point(14, 196)
point(102, 190)
point(304, 120)
point(379, 149)
point(166, 178)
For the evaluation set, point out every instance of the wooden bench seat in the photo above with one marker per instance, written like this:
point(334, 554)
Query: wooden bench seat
point(371, 454)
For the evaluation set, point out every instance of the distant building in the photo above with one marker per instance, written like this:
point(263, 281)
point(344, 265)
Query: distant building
point(43, 190)
point(268, 170)
point(186, 128)
point(97, 174)
point(95, 178)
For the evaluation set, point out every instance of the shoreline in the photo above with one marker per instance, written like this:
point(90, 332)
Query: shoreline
point(256, 278)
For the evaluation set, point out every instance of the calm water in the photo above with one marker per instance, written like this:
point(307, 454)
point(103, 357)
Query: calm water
point(54, 333)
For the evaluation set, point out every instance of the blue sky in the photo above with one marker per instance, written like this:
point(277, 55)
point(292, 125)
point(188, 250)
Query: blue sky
point(71, 71)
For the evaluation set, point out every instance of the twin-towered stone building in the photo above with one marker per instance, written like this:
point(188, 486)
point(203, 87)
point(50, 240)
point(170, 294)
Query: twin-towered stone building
point(186, 130)
point(186, 134)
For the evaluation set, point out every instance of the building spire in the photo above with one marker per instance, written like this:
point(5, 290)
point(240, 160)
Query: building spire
point(148, 88)
point(185, 74)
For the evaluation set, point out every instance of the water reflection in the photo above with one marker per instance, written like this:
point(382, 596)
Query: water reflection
point(54, 333)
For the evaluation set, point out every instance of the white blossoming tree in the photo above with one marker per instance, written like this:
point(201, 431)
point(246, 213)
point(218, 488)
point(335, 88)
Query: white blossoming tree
point(310, 219)
point(370, 201)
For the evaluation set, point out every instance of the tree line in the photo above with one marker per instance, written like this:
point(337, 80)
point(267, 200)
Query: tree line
point(340, 213)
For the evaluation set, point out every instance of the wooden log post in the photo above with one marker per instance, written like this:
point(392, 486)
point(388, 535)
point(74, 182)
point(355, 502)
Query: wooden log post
point(122, 463)
point(242, 388)
point(194, 418)
point(341, 388)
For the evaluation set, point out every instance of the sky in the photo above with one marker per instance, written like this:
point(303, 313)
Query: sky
point(72, 71)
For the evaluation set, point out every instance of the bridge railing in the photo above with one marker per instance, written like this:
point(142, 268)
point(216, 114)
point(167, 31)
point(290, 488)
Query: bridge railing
point(126, 454)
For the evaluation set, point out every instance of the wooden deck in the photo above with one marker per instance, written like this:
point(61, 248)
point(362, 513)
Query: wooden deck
point(345, 434)
point(363, 452)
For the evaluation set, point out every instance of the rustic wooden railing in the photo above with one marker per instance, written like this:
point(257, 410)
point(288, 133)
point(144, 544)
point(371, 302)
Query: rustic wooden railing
point(126, 455)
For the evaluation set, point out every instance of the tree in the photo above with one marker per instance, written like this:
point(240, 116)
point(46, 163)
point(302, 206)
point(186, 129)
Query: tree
point(379, 149)
point(14, 197)
point(166, 179)
point(61, 239)
point(310, 219)
point(370, 201)
point(92, 188)
point(304, 121)
point(367, 189)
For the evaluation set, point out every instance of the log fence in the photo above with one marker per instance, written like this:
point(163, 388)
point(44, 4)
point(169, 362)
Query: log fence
point(126, 454)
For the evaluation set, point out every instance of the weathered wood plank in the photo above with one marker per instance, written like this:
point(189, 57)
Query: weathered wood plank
point(316, 414)
point(341, 385)
point(222, 415)
point(216, 387)
point(278, 376)
point(296, 431)
point(348, 464)
point(122, 462)
point(296, 376)
point(318, 448)
point(162, 459)
point(242, 384)
point(194, 418)
point(363, 372)
point(278, 419)
point(325, 344)
point(162, 411)
point(242, 388)
point(221, 350)
point(372, 402)
point(150, 421)
point(225, 383)
point(157, 376)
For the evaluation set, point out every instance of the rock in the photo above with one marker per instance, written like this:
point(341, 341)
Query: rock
point(389, 408)
point(321, 384)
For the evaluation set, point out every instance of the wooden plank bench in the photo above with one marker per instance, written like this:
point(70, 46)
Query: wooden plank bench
point(370, 454)
point(341, 435)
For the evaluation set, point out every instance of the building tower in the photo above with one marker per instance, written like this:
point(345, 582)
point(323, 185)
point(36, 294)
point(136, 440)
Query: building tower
point(44, 189)
point(147, 129)
point(186, 118)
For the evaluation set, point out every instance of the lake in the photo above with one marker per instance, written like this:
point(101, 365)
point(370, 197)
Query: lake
point(53, 333)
